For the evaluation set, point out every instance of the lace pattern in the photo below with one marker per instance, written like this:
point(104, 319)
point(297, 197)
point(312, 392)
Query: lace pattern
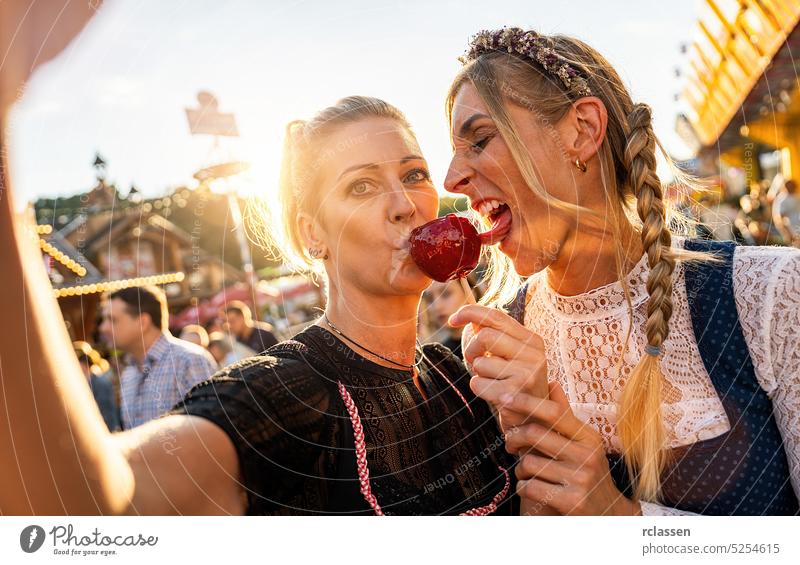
point(767, 284)
point(585, 337)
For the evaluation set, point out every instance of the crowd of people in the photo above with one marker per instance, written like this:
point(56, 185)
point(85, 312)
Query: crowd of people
point(151, 370)
point(767, 214)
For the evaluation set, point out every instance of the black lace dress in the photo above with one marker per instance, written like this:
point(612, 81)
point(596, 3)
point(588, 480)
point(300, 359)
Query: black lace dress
point(285, 413)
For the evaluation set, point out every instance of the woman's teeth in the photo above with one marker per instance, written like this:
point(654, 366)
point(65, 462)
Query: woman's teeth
point(487, 207)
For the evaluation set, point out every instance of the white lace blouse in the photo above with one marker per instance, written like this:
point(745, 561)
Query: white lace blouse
point(584, 337)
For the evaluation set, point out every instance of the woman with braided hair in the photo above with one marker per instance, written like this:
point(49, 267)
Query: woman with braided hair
point(673, 364)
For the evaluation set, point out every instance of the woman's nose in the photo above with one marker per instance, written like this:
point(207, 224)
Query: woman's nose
point(458, 176)
point(402, 206)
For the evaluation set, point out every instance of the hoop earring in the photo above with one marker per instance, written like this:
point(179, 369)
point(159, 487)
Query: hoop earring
point(581, 166)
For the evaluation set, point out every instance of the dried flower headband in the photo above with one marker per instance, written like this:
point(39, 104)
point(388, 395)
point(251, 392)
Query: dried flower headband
point(530, 45)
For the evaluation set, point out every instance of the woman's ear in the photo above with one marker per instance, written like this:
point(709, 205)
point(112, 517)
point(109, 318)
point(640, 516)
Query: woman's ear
point(309, 229)
point(589, 117)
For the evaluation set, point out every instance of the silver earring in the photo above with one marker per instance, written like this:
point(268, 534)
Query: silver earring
point(315, 253)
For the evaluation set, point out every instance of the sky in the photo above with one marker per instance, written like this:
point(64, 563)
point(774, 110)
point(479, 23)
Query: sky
point(121, 87)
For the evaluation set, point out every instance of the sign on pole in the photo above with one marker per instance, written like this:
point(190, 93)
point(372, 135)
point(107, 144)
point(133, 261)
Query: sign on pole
point(208, 120)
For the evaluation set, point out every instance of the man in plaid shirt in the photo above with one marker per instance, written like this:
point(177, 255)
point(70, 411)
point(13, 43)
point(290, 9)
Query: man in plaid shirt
point(160, 369)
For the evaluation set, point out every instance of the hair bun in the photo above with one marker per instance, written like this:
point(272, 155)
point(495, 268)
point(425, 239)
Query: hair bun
point(296, 130)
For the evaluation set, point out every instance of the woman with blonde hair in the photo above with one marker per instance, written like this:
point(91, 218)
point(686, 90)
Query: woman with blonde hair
point(673, 364)
point(351, 416)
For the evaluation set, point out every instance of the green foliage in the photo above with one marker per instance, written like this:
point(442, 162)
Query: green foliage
point(452, 204)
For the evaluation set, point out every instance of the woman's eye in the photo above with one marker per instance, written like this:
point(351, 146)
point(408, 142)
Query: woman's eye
point(418, 175)
point(360, 187)
point(479, 145)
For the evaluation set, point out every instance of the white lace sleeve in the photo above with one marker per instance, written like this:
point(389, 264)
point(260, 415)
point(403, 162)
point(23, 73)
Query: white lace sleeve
point(651, 509)
point(767, 288)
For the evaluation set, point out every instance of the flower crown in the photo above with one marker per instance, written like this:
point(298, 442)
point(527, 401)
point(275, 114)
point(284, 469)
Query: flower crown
point(530, 45)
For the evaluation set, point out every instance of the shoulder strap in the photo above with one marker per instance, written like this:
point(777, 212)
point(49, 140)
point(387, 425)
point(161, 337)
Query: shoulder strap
point(715, 318)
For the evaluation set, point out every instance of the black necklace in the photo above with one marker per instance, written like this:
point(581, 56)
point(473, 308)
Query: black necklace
point(379, 356)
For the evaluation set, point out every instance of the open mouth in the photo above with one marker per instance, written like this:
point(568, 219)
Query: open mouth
point(499, 214)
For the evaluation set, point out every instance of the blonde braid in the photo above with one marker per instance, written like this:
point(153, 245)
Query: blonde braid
point(641, 426)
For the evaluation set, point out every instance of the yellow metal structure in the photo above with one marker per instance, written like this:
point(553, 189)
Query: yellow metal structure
point(738, 43)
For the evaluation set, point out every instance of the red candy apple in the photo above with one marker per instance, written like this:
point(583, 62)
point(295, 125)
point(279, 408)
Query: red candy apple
point(449, 247)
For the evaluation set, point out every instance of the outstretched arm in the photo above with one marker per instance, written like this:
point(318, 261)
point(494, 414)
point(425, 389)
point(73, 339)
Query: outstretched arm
point(59, 457)
point(52, 438)
point(182, 465)
point(57, 454)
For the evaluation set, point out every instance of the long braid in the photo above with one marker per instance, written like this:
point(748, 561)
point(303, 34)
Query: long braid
point(640, 424)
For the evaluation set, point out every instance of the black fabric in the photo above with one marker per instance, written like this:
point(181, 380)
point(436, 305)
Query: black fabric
point(295, 443)
point(454, 345)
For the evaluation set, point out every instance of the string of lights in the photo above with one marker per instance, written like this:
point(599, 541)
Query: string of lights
point(111, 286)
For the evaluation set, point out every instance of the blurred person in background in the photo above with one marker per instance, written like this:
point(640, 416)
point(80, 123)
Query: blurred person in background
point(786, 213)
point(444, 299)
point(755, 219)
point(97, 372)
point(226, 349)
point(214, 325)
point(194, 333)
point(256, 335)
point(159, 368)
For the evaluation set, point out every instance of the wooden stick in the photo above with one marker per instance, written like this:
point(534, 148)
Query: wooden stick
point(467, 290)
point(470, 296)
